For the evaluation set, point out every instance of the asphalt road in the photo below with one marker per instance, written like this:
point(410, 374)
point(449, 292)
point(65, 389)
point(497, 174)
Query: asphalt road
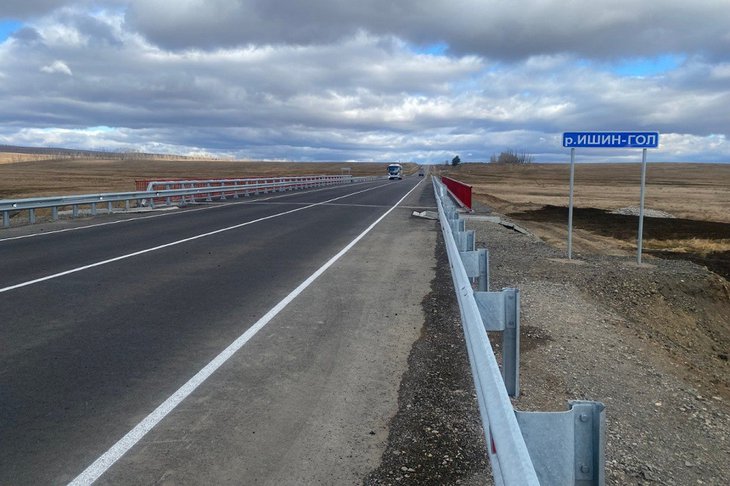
point(101, 325)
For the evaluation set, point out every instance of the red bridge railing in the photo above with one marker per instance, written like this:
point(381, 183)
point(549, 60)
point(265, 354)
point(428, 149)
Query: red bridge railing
point(460, 191)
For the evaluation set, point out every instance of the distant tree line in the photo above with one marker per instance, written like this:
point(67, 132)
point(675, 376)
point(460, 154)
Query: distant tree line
point(507, 157)
point(511, 157)
point(62, 153)
point(13, 149)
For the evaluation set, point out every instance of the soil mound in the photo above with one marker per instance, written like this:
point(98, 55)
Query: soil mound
point(669, 238)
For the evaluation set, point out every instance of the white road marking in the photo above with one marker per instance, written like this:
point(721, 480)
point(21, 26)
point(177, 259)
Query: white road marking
point(103, 463)
point(158, 215)
point(174, 243)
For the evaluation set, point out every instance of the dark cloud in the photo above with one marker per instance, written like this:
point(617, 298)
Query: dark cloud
point(492, 28)
point(329, 80)
point(22, 9)
point(27, 35)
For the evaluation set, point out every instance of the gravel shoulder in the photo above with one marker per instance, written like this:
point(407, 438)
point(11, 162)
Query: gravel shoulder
point(436, 436)
point(650, 341)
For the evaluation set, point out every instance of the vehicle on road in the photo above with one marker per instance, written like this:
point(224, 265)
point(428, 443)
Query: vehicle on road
point(420, 172)
point(395, 171)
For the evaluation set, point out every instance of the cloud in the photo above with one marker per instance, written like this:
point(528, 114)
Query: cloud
point(491, 28)
point(57, 67)
point(334, 80)
point(22, 9)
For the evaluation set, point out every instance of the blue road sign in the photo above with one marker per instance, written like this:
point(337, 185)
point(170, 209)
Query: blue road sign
point(611, 139)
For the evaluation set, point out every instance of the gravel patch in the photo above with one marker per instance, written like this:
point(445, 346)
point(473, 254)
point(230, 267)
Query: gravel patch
point(650, 213)
point(436, 437)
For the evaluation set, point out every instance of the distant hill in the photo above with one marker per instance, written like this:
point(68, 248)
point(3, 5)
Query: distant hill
point(51, 151)
point(63, 153)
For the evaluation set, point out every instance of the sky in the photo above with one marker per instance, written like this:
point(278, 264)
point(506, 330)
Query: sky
point(377, 80)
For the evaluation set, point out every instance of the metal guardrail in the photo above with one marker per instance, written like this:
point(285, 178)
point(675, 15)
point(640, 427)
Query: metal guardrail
point(183, 192)
point(525, 448)
point(167, 184)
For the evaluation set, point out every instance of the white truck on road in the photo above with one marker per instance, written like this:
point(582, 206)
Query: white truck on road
point(395, 171)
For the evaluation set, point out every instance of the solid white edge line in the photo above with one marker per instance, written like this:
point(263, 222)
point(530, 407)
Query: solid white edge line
point(173, 243)
point(106, 460)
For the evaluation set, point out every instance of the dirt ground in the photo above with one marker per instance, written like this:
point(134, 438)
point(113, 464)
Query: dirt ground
point(651, 342)
point(697, 195)
point(672, 307)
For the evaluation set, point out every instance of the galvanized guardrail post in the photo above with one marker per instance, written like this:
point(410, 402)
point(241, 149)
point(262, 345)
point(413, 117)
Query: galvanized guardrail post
point(476, 263)
point(500, 311)
point(567, 447)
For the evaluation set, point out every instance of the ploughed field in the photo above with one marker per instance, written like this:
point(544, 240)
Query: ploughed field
point(606, 201)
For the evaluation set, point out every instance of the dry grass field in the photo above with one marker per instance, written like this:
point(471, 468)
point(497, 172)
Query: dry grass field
point(698, 195)
point(691, 191)
point(11, 158)
point(35, 178)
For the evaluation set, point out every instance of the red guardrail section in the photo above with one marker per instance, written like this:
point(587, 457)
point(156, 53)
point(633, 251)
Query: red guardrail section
point(461, 191)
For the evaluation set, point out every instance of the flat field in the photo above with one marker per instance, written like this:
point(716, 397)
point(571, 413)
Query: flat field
point(21, 178)
point(11, 158)
point(690, 191)
point(697, 195)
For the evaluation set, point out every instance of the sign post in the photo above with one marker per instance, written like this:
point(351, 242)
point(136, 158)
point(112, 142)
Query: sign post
point(570, 204)
point(640, 240)
point(642, 140)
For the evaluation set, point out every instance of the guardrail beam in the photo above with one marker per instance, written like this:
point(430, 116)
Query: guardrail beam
point(511, 463)
point(525, 448)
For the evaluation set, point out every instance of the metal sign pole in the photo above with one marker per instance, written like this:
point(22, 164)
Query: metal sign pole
point(570, 204)
point(641, 207)
point(642, 140)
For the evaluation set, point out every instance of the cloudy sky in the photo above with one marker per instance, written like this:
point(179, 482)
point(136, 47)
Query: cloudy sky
point(420, 80)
